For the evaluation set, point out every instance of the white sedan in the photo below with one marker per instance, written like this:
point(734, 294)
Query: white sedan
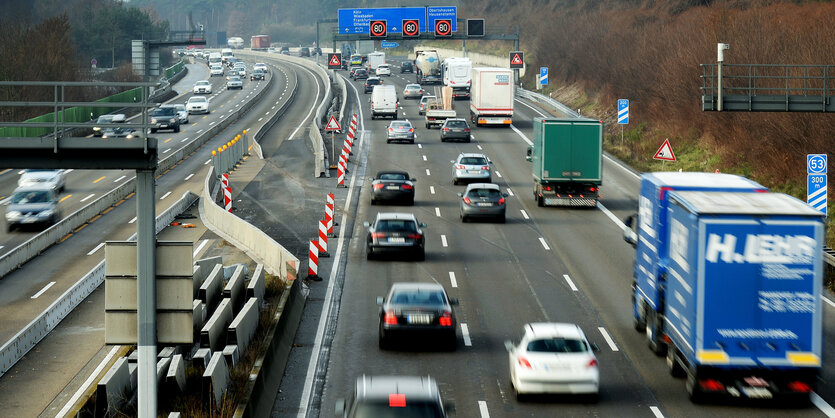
point(197, 104)
point(553, 358)
point(383, 69)
point(216, 70)
point(202, 87)
point(262, 66)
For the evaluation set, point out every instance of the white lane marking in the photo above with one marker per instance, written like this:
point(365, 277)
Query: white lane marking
point(80, 392)
point(132, 220)
point(509, 192)
point(438, 212)
point(93, 251)
point(432, 189)
point(200, 247)
point(525, 214)
point(822, 405)
point(465, 332)
point(424, 158)
point(274, 106)
point(231, 110)
point(165, 195)
point(184, 139)
point(443, 240)
point(829, 302)
point(266, 113)
point(482, 409)
point(189, 176)
point(169, 149)
point(420, 146)
point(117, 180)
point(499, 174)
point(21, 172)
point(570, 282)
point(608, 339)
point(212, 123)
point(452, 279)
point(656, 412)
point(88, 197)
point(207, 161)
point(36, 295)
point(518, 132)
point(544, 244)
point(6, 200)
point(479, 147)
point(427, 172)
point(260, 119)
point(199, 131)
point(312, 108)
point(611, 216)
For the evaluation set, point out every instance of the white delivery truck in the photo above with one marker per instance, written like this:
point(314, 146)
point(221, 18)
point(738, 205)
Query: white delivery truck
point(375, 59)
point(226, 53)
point(384, 101)
point(491, 96)
point(457, 75)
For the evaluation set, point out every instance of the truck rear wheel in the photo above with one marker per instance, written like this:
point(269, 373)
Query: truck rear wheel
point(673, 365)
point(653, 331)
point(694, 392)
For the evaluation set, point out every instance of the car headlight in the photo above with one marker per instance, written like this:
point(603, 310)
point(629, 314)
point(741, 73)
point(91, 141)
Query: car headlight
point(12, 214)
point(96, 129)
point(153, 120)
point(46, 213)
point(172, 120)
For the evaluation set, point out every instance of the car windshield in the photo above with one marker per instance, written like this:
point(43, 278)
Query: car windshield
point(393, 176)
point(396, 225)
point(413, 297)
point(456, 124)
point(235, 78)
point(557, 345)
point(412, 409)
point(105, 119)
point(180, 108)
point(34, 196)
point(473, 161)
point(373, 81)
point(485, 193)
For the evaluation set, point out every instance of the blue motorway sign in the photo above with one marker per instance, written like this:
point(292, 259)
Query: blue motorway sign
point(543, 76)
point(816, 163)
point(623, 111)
point(816, 191)
point(353, 21)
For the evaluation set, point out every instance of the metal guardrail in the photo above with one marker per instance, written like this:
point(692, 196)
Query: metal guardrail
point(17, 347)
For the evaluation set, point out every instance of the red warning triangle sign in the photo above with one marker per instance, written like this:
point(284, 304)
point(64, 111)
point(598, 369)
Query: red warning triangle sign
point(332, 125)
point(665, 152)
point(335, 61)
point(517, 60)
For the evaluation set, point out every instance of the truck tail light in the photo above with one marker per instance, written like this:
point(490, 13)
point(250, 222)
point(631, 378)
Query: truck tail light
point(798, 386)
point(445, 320)
point(548, 188)
point(593, 189)
point(389, 318)
point(712, 385)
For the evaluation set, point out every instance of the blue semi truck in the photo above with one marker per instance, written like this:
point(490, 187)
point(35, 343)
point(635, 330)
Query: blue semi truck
point(728, 284)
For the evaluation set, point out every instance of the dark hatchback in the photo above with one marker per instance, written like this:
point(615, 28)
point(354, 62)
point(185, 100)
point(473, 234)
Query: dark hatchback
point(394, 397)
point(420, 310)
point(394, 186)
point(371, 82)
point(257, 75)
point(395, 233)
point(360, 73)
point(165, 118)
point(407, 67)
point(455, 129)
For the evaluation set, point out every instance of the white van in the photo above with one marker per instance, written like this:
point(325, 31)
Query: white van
point(225, 54)
point(384, 101)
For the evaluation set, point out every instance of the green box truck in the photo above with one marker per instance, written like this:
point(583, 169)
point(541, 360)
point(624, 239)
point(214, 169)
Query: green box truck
point(567, 157)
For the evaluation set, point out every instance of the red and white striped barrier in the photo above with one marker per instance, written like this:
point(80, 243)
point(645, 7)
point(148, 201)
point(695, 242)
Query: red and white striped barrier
point(346, 149)
point(329, 214)
point(323, 239)
point(227, 193)
point(340, 175)
point(313, 263)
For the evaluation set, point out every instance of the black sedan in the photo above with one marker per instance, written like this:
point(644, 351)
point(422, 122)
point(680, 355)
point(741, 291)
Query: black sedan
point(360, 74)
point(455, 129)
point(395, 233)
point(371, 82)
point(257, 75)
point(419, 310)
point(393, 186)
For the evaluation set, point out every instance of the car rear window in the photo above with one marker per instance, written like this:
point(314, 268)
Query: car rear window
point(393, 225)
point(484, 193)
point(372, 81)
point(405, 125)
point(473, 161)
point(163, 111)
point(456, 124)
point(434, 298)
point(393, 176)
point(557, 345)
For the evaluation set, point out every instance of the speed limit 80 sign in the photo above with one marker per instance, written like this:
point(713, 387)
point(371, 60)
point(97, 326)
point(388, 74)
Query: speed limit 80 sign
point(377, 28)
point(443, 28)
point(411, 28)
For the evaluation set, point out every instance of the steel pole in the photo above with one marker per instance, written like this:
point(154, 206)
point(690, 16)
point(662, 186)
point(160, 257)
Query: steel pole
point(146, 293)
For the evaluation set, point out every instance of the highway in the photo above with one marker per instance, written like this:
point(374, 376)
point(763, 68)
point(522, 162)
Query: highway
point(26, 292)
point(544, 264)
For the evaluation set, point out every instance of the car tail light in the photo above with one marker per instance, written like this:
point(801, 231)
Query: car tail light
point(378, 235)
point(524, 362)
point(459, 166)
point(445, 320)
point(485, 167)
point(390, 318)
point(468, 201)
point(592, 363)
point(501, 201)
point(446, 129)
point(711, 385)
point(798, 386)
point(407, 187)
point(411, 129)
point(391, 129)
point(466, 129)
point(379, 186)
point(548, 188)
point(414, 236)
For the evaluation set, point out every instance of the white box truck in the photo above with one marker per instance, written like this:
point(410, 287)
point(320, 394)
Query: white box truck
point(491, 96)
point(384, 101)
point(457, 73)
point(375, 59)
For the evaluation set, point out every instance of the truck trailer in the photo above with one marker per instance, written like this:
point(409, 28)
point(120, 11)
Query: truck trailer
point(728, 284)
point(457, 74)
point(427, 67)
point(491, 96)
point(260, 42)
point(567, 157)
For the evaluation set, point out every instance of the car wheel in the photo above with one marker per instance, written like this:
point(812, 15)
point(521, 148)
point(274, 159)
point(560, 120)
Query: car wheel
point(388, 141)
point(464, 218)
point(653, 331)
point(411, 201)
point(427, 126)
point(452, 343)
point(177, 129)
point(153, 131)
point(9, 228)
point(455, 181)
point(369, 253)
point(382, 341)
point(540, 201)
point(412, 141)
point(443, 139)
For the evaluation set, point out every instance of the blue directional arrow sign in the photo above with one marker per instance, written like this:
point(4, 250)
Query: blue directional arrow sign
point(386, 44)
point(816, 181)
point(623, 111)
point(543, 76)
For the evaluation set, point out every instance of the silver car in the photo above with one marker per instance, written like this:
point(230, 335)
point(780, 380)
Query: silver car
point(412, 91)
point(234, 82)
point(182, 113)
point(32, 205)
point(471, 167)
point(400, 130)
point(483, 200)
point(424, 101)
point(41, 177)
